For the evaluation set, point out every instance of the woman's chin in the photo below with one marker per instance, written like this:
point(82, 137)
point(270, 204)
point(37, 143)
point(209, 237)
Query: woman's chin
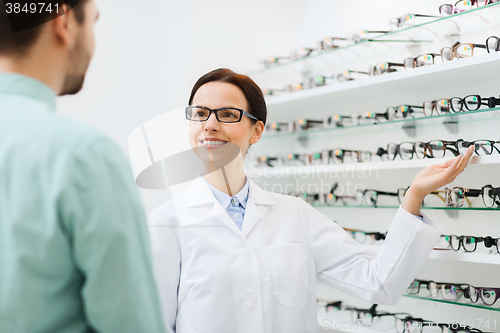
point(218, 157)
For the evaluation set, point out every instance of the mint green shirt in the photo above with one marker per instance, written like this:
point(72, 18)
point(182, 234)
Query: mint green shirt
point(74, 250)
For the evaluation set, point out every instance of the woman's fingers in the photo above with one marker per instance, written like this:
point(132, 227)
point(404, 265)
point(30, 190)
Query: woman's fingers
point(450, 172)
point(465, 161)
point(460, 163)
point(446, 164)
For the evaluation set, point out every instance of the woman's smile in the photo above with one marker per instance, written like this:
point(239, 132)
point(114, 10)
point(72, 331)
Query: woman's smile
point(213, 143)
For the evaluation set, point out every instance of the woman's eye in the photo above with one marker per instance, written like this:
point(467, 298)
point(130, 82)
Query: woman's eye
point(229, 115)
point(201, 114)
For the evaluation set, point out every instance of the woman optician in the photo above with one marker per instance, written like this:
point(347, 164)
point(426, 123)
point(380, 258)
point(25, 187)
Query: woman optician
point(230, 257)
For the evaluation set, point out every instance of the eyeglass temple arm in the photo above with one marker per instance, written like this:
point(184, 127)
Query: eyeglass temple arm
point(387, 193)
point(334, 187)
point(422, 15)
point(498, 151)
point(337, 304)
point(395, 64)
point(472, 193)
point(360, 72)
point(439, 195)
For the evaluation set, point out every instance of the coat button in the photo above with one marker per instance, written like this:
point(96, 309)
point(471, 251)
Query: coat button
point(252, 299)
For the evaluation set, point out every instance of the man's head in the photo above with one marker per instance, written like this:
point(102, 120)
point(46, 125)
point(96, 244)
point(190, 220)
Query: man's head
point(58, 51)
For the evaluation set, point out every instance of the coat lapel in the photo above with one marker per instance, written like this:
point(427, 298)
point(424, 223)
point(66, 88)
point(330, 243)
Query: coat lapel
point(257, 205)
point(199, 205)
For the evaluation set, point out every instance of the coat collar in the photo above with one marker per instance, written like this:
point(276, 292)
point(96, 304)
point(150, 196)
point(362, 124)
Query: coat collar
point(225, 200)
point(200, 205)
point(199, 194)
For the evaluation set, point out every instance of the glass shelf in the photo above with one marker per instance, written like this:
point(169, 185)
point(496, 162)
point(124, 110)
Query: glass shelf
point(384, 123)
point(380, 38)
point(477, 306)
point(396, 207)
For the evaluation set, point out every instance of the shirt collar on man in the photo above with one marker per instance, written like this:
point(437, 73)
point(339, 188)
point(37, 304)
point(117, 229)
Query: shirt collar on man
point(225, 200)
point(22, 85)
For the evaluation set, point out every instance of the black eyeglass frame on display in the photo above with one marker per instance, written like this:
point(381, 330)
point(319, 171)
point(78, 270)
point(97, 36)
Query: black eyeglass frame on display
point(457, 104)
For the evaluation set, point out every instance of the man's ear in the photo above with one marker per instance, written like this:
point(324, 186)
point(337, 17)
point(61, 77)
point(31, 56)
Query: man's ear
point(257, 133)
point(61, 27)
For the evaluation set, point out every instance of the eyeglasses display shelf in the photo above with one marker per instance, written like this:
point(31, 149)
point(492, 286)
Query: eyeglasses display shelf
point(478, 306)
point(396, 207)
point(493, 259)
point(297, 171)
point(463, 116)
point(402, 34)
point(429, 78)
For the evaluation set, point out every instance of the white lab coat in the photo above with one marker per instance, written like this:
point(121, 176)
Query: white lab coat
point(214, 278)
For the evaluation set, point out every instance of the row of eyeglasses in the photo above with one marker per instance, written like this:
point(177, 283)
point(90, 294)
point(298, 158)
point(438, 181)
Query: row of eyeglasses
point(402, 322)
point(405, 150)
point(452, 292)
point(452, 197)
point(429, 109)
point(456, 51)
point(446, 242)
point(436, 149)
point(396, 23)
point(467, 243)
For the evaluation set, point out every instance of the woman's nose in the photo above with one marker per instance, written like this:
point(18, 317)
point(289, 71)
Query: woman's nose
point(212, 124)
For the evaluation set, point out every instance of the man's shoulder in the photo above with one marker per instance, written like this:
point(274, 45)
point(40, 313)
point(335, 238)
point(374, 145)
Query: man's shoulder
point(72, 134)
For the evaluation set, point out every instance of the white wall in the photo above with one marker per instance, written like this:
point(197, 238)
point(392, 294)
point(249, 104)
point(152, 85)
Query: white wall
point(150, 52)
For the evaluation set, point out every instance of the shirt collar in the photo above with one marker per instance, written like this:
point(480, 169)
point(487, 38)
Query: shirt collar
point(18, 84)
point(225, 199)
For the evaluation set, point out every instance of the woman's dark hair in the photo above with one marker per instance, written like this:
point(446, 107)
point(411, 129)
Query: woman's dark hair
point(249, 88)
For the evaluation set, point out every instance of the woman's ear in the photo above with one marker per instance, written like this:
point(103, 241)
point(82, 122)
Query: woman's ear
point(258, 128)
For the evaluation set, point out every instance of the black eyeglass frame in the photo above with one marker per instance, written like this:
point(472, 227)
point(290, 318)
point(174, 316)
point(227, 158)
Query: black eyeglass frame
point(215, 111)
point(497, 49)
point(491, 103)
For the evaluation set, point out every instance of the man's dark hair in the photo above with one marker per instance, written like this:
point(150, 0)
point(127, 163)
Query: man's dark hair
point(18, 32)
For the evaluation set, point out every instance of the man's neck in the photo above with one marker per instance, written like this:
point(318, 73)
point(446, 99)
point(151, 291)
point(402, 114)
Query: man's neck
point(32, 68)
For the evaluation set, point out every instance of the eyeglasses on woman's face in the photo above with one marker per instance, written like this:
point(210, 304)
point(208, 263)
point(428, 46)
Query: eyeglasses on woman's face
point(223, 115)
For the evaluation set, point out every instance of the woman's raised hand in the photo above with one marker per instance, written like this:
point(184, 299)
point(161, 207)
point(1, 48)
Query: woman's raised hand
point(432, 178)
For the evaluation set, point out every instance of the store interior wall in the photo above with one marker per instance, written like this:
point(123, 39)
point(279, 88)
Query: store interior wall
point(149, 54)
